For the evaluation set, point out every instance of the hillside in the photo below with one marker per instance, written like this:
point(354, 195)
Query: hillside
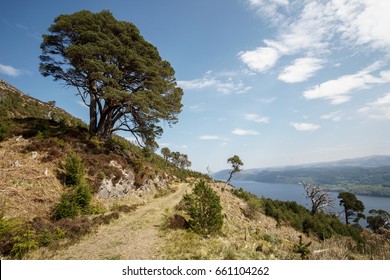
point(65, 194)
point(366, 176)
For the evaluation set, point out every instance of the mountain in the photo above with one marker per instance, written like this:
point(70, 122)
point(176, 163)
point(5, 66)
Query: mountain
point(365, 175)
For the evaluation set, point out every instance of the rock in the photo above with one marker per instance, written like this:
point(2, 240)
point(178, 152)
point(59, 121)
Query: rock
point(16, 164)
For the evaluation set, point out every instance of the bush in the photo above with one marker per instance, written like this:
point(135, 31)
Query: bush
point(82, 196)
point(67, 208)
point(205, 210)
point(3, 133)
point(74, 170)
point(24, 243)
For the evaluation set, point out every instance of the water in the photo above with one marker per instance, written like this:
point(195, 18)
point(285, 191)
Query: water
point(295, 192)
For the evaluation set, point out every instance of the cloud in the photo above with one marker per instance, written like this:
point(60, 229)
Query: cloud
point(269, 8)
point(304, 126)
point(301, 69)
point(242, 132)
point(211, 80)
point(333, 116)
point(318, 29)
point(256, 118)
point(261, 59)
point(365, 22)
point(10, 71)
point(338, 91)
point(212, 137)
point(378, 109)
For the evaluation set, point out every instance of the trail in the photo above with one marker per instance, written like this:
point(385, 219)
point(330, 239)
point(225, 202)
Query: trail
point(132, 236)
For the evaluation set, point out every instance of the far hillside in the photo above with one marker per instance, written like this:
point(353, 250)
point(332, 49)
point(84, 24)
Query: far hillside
point(365, 176)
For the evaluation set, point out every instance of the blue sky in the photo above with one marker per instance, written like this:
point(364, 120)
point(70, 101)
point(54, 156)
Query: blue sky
point(277, 82)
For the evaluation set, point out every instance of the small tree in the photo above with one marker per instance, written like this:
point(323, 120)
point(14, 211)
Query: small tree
point(319, 198)
point(379, 219)
point(205, 210)
point(353, 207)
point(166, 153)
point(236, 163)
point(74, 170)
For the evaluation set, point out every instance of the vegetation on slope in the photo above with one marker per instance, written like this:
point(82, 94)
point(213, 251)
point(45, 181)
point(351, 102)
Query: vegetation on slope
point(51, 172)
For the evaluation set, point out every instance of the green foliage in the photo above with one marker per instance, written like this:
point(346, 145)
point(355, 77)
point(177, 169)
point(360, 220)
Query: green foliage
point(322, 225)
point(74, 170)
point(67, 208)
point(3, 132)
point(205, 210)
point(236, 163)
point(353, 207)
point(82, 196)
point(78, 199)
point(379, 219)
point(73, 203)
point(24, 243)
point(117, 72)
point(302, 249)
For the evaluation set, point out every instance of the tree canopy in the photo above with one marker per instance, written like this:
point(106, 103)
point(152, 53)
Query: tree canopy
point(353, 207)
point(236, 163)
point(118, 74)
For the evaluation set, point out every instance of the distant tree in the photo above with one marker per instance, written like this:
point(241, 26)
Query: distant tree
point(236, 163)
point(379, 219)
point(204, 208)
point(318, 197)
point(166, 153)
point(353, 207)
point(184, 161)
point(118, 74)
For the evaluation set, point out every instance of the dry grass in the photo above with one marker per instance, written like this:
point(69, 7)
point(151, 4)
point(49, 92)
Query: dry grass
point(26, 190)
point(261, 238)
point(241, 238)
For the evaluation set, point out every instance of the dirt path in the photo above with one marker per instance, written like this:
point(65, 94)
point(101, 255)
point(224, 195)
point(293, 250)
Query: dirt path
point(132, 236)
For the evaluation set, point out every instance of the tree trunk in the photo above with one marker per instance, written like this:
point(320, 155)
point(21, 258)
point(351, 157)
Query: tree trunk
point(346, 216)
point(92, 109)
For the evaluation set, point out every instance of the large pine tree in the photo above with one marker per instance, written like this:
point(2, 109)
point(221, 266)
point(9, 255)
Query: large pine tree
point(118, 74)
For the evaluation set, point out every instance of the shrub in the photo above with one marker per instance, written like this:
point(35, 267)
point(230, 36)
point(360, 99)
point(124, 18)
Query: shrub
point(82, 196)
point(67, 208)
point(74, 170)
point(24, 243)
point(204, 209)
point(3, 132)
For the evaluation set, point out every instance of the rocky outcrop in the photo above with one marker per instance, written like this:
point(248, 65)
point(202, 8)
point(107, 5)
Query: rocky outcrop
point(126, 185)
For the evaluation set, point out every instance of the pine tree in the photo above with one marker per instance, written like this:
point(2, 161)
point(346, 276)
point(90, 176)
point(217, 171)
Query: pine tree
point(204, 209)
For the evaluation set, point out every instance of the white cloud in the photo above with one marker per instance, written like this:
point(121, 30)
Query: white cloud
point(338, 91)
point(319, 28)
point(211, 137)
point(10, 71)
point(333, 116)
point(261, 59)
point(304, 126)
point(210, 80)
point(378, 109)
point(365, 22)
point(256, 118)
point(269, 8)
point(242, 132)
point(301, 69)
